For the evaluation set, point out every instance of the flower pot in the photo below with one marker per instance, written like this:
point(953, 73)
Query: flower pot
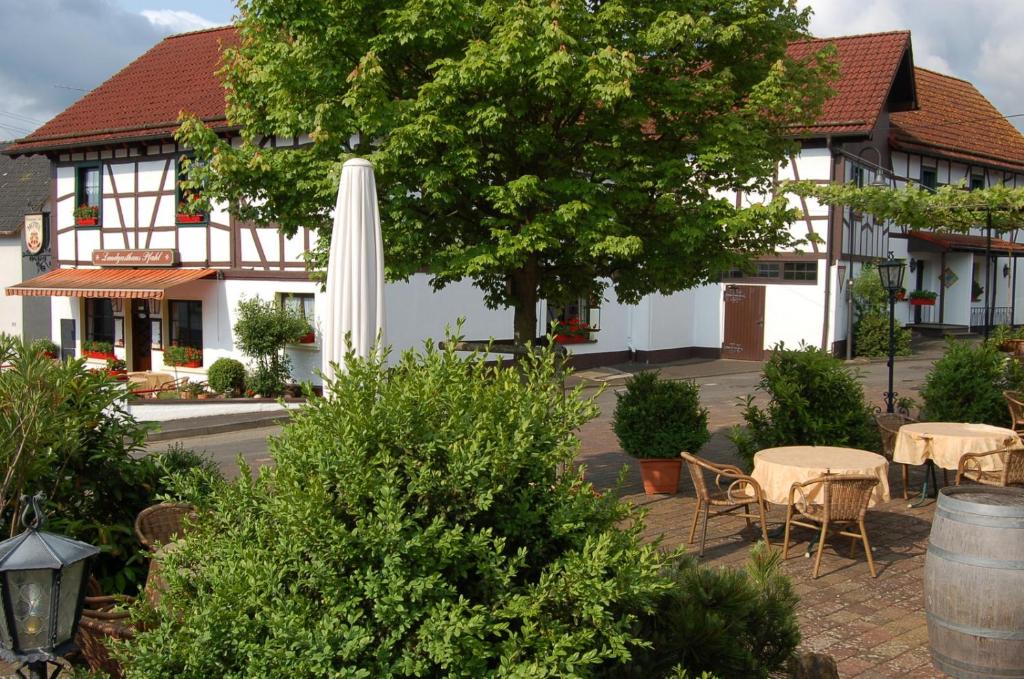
point(188, 219)
point(922, 301)
point(570, 339)
point(102, 355)
point(192, 364)
point(900, 296)
point(87, 221)
point(660, 475)
point(308, 338)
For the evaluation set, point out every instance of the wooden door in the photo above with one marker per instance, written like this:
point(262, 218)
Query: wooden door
point(744, 322)
point(142, 336)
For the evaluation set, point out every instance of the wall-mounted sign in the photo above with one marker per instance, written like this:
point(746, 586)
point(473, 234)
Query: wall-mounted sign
point(134, 257)
point(34, 234)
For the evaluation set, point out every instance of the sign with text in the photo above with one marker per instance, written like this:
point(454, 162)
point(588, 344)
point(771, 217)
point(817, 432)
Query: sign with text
point(34, 234)
point(134, 257)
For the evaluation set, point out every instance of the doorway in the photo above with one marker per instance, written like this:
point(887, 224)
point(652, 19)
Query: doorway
point(142, 336)
point(744, 322)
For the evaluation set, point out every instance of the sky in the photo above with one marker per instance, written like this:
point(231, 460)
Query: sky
point(54, 51)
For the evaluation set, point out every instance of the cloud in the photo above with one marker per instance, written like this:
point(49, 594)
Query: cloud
point(54, 49)
point(979, 42)
point(176, 21)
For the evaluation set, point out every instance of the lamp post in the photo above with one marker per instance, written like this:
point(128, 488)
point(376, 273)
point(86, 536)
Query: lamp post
point(42, 587)
point(891, 273)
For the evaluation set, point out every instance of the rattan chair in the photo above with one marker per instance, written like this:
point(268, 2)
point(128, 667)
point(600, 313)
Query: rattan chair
point(845, 499)
point(742, 492)
point(1011, 474)
point(1015, 404)
point(161, 524)
point(103, 618)
point(888, 426)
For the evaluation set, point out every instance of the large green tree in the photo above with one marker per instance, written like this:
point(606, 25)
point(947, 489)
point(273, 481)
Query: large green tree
point(537, 147)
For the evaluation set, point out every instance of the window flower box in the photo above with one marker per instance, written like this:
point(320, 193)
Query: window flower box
point(183, 357)
point(86, 215)
point(923, 298)
point(98, 349)
point(184, 218)
point(573, 331)
point(308, 338)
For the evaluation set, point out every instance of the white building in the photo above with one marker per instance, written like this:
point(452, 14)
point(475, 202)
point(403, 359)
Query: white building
point(141, 276)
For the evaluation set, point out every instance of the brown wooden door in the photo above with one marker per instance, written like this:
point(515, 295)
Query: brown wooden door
point(142, 336)
point(744, 322)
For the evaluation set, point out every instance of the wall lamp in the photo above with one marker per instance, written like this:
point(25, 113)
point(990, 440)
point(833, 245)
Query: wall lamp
point(913, 265)
point(1006, 270)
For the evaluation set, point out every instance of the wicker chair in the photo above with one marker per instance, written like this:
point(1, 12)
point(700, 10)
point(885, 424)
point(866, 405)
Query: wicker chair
point(845, 501)
point(1015, 404)
point(740, 494)
point(162, 523)
point(100, 622)
point(1011, 474)
point(888, 426)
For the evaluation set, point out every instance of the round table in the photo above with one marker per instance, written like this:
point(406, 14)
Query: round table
point(777, 469)
point(945, 442)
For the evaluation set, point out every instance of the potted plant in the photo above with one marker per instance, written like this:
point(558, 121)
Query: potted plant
point(977, 290)
point(98, 349)
point(923, 297)
point(195, 390)
point(656, 420)
point(45, 347)
point(572, 331)
point(117, 368)
point(184, 357)
point(901, 294)
point(87, 215)
point(309, 337)
point(188, 213)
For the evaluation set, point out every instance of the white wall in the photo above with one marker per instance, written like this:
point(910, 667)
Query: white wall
point(10, 274)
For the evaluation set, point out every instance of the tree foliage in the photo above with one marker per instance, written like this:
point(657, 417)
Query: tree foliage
point(263, 329)
point(536, 148)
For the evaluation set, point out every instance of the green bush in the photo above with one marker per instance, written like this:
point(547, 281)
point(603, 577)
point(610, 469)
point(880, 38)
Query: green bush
point(813, 400)
point(45, 346)
point(871, 328)
point(730, 623)
point(226, 375)
point(967, 383)
point(425, 520)
point(657, 418)
point(262, 331)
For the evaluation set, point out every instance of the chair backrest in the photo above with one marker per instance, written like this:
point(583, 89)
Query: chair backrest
point(1013, 467)
point(1015, 404)
point(162, 523)
point(888, 426)
point(847, 495)
point(696, 467)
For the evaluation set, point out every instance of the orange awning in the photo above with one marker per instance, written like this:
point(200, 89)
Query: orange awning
point(113, 283)
point(966, 243)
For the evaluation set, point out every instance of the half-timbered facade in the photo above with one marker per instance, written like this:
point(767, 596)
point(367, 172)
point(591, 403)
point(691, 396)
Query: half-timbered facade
point(136, 270)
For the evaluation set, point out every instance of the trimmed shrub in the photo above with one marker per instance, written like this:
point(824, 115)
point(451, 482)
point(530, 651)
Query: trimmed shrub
point(871, 328)
point(657, 418)
point(729, 623)
point(813, 400)
point(425, 520)
point(226, 375)
point(967, 383)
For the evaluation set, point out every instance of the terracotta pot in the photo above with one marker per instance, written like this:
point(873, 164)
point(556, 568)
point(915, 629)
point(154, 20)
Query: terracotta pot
point(921, 301)
point(308, 338)
point(660, 475)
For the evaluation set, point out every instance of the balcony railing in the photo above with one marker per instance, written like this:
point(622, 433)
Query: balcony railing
point(1000, 316)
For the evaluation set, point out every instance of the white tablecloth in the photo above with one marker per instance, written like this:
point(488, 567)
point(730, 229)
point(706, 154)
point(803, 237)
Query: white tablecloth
point(777, 469)
point(944, 442)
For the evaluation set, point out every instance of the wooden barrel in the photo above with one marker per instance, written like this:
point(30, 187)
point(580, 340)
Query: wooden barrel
point(974, 582)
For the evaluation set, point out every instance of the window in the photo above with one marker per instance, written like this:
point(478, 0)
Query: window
point(190, 206)
point(88, 195)
point(778, 271)
point(186, 323)
point(99, 320)
point(977, 182)
point(302, 302)
point(580, 313)
point(858, 175)
point(929, 178)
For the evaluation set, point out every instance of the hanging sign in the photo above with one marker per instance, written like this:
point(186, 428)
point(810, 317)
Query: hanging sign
point(34, 233)
point(134, 257)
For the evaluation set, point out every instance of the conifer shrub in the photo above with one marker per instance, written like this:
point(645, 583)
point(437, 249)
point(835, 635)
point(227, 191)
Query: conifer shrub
point(226, 376)
point(656, 418)
point(967, 384)
point(813, 399)
point(423, 520)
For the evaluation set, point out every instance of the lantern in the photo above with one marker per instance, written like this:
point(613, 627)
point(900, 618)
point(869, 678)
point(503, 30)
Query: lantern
point(42, 586)
point(891, 272)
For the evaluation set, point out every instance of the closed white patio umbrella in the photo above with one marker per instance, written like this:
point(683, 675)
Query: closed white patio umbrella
point(355, 270)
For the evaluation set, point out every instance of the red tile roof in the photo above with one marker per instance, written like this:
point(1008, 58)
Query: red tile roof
point(965, 243)
point(867, 67)
point(129, 283)
point(143, 100)
point(956, 121)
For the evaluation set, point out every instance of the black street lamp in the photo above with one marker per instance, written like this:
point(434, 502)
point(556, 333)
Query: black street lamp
point(42, 587)
point(891, 272)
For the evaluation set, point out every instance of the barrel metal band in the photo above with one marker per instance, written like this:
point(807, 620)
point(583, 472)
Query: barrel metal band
point(945, 663)
point(979, 519)
point(986, 632)
point(1011, 511)
point(975, 560)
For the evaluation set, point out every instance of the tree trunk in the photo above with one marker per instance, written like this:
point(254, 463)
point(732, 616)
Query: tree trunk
point(524, 298)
